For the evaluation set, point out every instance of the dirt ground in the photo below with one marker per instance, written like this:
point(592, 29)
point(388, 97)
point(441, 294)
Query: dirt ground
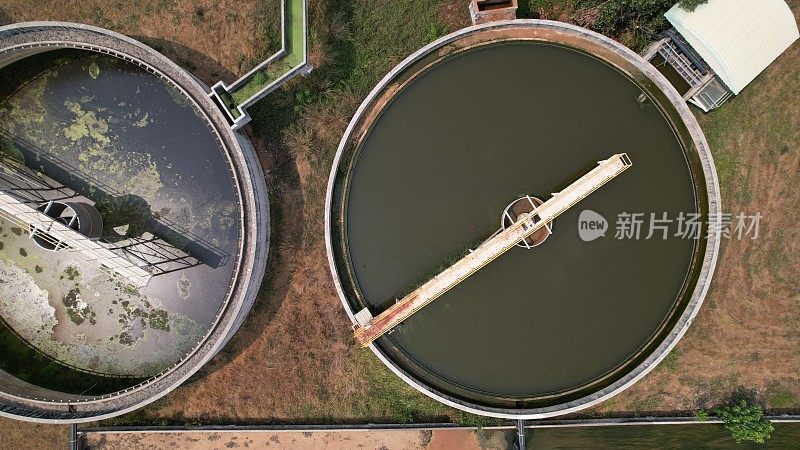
point(294, 360)
point(21, 435)
point(377, 439)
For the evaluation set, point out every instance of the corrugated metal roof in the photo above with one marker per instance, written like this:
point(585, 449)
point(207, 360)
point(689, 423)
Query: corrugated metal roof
point(737, 38)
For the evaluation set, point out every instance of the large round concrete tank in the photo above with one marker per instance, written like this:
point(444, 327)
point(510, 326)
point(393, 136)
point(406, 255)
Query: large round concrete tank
point(465, 127)
point(161, 210)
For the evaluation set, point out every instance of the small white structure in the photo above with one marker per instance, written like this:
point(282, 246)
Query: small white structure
point(721, 46)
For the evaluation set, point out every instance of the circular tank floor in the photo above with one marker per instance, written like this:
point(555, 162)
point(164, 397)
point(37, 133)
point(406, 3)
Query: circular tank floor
point(104, 129)
point(433, 175)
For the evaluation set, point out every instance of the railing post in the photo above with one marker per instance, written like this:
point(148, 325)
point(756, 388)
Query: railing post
point(74, 439)
point(520, 442)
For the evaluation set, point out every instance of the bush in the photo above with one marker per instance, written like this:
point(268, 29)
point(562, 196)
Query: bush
point(746, 422)
point(633, 22)
point(691, 5)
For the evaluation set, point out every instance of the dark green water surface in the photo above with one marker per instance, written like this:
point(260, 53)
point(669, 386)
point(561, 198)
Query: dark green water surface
point(451, 151)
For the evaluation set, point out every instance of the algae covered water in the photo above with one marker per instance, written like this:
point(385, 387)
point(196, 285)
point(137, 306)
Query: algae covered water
point(80, 124)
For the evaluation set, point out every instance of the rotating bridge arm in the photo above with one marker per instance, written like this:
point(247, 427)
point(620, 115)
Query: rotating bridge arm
point(369, 328)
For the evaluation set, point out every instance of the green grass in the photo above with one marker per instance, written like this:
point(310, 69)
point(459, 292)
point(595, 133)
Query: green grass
point(780, 397)
point(391, 397)
point(670, 362)
point(727, 158)
point(290, 61)
point(384, 36)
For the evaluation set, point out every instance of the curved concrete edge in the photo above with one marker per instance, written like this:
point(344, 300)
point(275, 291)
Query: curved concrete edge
point(709, 259)
point(254, 219)
point(263, 222)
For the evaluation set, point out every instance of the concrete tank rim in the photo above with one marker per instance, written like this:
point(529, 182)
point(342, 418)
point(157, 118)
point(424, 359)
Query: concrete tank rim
point(712, 242)
point(253, 249)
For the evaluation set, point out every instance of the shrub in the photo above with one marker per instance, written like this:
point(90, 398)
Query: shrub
point(633, 22)
point(691, 5)
point(746, 422)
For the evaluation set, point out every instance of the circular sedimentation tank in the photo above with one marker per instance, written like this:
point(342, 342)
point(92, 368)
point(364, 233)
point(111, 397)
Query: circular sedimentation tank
point(114, 141)
point(457, 133)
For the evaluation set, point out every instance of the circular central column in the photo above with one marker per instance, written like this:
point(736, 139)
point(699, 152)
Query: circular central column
point(522, 206)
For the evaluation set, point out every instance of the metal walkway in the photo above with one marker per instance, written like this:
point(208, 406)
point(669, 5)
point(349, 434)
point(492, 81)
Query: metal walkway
point(681, 63)
point(369, 328)
point(67, 239)
point(170, 246)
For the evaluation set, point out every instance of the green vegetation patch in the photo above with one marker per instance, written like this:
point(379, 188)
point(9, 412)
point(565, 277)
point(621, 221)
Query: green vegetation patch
point(633, 22)
point(670, 362)
point(780, 397)
point(746, 422)
point(94, 70)
point(159, 320)
point(71, 273)
point(85, 124)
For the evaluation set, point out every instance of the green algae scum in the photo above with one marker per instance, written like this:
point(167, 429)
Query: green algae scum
point(136, 153)
point(462, 129)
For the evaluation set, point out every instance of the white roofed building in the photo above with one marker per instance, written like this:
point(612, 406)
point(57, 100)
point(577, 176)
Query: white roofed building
point(716, 50)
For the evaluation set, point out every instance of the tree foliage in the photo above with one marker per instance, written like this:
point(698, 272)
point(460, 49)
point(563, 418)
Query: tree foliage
point(745, 421)
point(634, 22)
point(691, 5)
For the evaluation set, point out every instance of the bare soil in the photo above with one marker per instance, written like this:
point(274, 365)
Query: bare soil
point(335, 440)
point(21, 435)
